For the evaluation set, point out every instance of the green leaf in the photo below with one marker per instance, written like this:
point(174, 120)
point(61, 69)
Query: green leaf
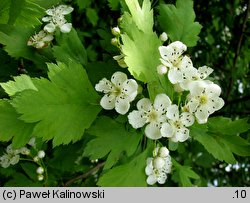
point(183, 174)
point(220, 138)
point(228, 127)
point(12, 127)
point(15, 40)
point(30, 170)
point(70, 48)
point(82, 4)
point(63, 107)
point(178, 22)
point(111, 139)
point(25, 13)
point(19, 84)
point(141, 15)
point(20, 180)
point(114, 4)
point(131, 174)
point(92, 16)
point(4, 11)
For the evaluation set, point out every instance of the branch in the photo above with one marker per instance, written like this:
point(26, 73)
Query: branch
point(85, 175)
point(239, 44)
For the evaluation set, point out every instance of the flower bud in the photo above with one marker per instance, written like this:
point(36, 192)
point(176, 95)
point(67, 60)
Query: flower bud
point(114, 41)
point(158, 162)
point(41, 154)
point(164, 37)
point(116, 31)
point(161, 69)
point(36, 159)
point(40, 177)
point(40, 170)
point(163, 152)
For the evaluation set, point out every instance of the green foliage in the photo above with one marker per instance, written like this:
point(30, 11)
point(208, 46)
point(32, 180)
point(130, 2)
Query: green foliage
point(12, 127)
point(70, 48)
point(220, 138)
point(112, 139)
point(183, 174)
point(68, 97)
point(92, 16)
point(130, 174)
point(114, 4)
point(19, 84)
point(178, 22)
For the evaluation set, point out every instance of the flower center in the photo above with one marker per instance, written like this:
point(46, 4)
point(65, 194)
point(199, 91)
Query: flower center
point(178, 124)
point(117, 91)
point(203, 99)
point(152, 116)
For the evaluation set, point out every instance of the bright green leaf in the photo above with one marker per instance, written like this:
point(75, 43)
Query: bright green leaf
point(19, 84)
point(63, 107)
point(12, 127)
point(111, 139)
point(178, 22)
point(141, 15)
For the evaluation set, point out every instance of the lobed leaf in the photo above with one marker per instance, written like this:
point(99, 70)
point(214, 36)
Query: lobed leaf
point(179, 22)
point(111, 140)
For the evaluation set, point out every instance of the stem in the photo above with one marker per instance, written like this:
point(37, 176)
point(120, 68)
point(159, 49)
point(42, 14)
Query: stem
point(85, 175)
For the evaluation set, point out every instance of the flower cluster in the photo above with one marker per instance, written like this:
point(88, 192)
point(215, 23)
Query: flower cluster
point(162, 118)
point(158, 166)
point(203, 99)
point(13, 156)
point(55, 19)
point(119, 92)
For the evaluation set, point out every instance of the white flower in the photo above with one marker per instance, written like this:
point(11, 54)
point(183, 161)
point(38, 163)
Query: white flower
point(164, 37)
point(171, 54)
point(153, 114)
point(24, 151)
point(194, 74)
point(41, 154)
point(161, 69)
point(4, 161)
point(40, 40)
point(56, 19)
point(158, 167)
point(119, 92)
point(175, 128)
point(179, 66)
point(204, 100)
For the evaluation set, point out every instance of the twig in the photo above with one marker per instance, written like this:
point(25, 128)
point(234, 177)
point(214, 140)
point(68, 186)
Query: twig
point(85, 175)
point(237, 53)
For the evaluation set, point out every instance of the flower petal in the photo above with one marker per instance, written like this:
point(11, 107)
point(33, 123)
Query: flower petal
point(167, 130)
point(151, 180)
point(136, 119)
point(162, 102)
point(162, 177)
point(173, 112)
point(204, 71)
point(144, 104)
point(65, 9)
point(175, 76)
point(108, 101)
point(46, 19)
point(182, 134)
point(130, 88)
point(185, 63)
point(66, 28)
point(193, 105)
point(213, 90)
point(152, 131)
point(148, 170)
point(201, 115)
point(50, 27)
point(122, 105)
point(187, 119)
point(118, 78)
point(104, 86)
